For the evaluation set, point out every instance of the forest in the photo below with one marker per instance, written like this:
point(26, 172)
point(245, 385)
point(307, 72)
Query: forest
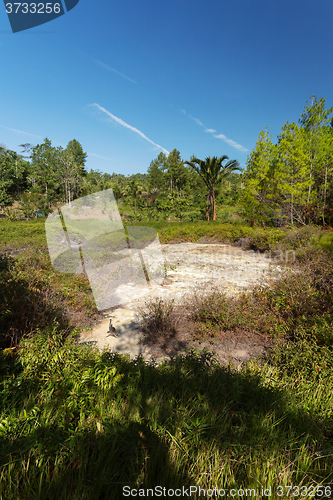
point(48, 177)
point(284, 183)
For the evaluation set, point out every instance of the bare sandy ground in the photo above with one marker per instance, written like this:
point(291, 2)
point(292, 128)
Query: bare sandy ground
point(193, 269)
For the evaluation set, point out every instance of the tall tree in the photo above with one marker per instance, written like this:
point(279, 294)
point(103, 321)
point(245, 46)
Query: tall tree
point(13, 172)
point(133, 190)
point(176, 172)
point(68, 173)
point(292, 173)
point(212, 171)
point(290, 182)
point(79, 156)
point(155, 171)
point(326, 184)
point(27, 148)
point(44, 165)
point(313, 119)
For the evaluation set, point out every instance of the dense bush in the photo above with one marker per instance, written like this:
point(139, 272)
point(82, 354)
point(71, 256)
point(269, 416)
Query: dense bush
point(26, 299)
point(33, 295)
point(301, 299)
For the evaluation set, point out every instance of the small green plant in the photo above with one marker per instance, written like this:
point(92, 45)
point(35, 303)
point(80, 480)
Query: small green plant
point(11, 214)
point(158, 317)
point(303, 358)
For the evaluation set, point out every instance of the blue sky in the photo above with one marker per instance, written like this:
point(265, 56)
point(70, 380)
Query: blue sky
point(130, 79)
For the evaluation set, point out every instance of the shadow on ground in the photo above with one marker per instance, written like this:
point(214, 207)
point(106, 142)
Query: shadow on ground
point(201, 406)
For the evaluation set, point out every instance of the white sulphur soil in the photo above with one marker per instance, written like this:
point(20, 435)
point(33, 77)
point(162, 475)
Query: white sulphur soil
point(192, 268)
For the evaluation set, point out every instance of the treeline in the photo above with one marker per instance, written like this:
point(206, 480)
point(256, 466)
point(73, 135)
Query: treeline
point(291, 182)
point(44, 177)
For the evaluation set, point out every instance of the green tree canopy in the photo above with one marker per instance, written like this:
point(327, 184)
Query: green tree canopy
point(43, 166)
point(260, 198)
point(13, 173)
point(291, 181)
point(212, 171)
point(133, 190)
point(176, 173)
point(79, 156)
point(156, 171)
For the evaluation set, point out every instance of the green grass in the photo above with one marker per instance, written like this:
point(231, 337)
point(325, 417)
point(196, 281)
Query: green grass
point(224, 232)
point(33, 294)
point(22, 234)
point(76, 424)
point(224, 213)
point(31, 234)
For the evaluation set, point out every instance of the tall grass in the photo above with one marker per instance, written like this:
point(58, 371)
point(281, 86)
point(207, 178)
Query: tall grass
point(78, 424)
point(33, 295)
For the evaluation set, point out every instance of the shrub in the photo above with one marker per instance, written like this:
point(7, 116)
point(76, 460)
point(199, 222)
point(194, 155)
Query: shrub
point(158, 318)
point(324, 241)
point(26, 301)
point(299, 237)
point(301, 299)
point(302, 358)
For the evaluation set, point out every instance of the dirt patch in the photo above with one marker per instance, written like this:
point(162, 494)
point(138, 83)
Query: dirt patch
point(80, 319)
point(195, 269)
point(237, 347)
point(211, 240)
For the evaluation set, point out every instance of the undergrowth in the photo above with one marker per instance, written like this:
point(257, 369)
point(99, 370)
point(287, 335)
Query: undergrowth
point(79, 424)
point(33, 295)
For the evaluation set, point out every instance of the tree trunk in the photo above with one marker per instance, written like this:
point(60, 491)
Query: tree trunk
point(292, 198)
point(213, 201)
point(325, 191)
point(208, 203)
point(292, 210)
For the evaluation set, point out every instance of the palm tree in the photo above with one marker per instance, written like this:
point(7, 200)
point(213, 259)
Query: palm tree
point(212, 173)
point(145, 195)
point(154, 192)
point(150, 195)
point(134, 190)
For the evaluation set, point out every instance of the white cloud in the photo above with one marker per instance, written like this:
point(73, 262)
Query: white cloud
point(198, 122)
point(219, 136)
point(124, 124)
point(21, 132)
point(231, 142)
point(108, 68)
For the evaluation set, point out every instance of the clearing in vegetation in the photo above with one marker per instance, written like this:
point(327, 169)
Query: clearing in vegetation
point(79, 424)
